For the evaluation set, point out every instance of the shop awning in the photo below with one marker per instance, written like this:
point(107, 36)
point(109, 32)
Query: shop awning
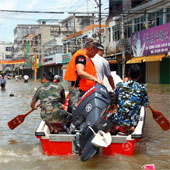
point(154, 58)
point(135, 60)
point(146, 59)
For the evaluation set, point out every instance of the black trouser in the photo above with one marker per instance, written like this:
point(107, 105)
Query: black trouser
point(2, 85)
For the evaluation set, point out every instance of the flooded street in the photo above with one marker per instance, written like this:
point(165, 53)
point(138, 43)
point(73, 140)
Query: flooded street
point(21, 150)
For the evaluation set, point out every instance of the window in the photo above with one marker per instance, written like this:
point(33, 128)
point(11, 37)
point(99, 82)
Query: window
point(8, 48)
point(65, 48)
point(168, 15)
point(8, 57)
point(128, 29)
point(139, 23)
point(109, 31)
point(159, 17)
point(39, 38)
point(116, 7)
point(69, 47)
point(135, 3)
point(57, 49)
point(116, 33)
point(79, 43)
point(155, 18)
point(84, 41)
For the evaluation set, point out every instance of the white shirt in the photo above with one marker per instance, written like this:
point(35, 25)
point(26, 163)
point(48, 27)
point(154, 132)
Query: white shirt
point(116, 79)
point(102, 66)
point(26, 77)
point(3, 80)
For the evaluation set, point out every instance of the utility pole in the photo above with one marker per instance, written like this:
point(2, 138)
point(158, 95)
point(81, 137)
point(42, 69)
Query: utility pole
point(99, 6)
point(100, 21)
point(74, 15)
point(35, 66)
point(123, 47)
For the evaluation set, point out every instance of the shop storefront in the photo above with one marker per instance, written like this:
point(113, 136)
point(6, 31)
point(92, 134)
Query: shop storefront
point(53, 63)
point(151, 47)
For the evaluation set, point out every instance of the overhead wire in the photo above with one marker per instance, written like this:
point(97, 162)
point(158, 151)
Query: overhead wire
point(44, 12)
point(75, 9)
point(68, 7)
point(76, 5)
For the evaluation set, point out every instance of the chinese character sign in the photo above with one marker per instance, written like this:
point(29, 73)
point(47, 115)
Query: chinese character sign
point(28, 54)
point(152, 41)
point(66, 58)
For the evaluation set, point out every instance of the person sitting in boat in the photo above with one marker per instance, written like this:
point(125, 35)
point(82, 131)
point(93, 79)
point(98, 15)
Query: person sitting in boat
point(52, 98)
point(131, 96)
point(56, 79)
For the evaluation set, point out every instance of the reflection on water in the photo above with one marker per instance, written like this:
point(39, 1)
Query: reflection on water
point(19, 148)
point(12, 141)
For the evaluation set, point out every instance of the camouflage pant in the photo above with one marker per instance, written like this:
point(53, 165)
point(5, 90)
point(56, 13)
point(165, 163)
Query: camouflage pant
point(55, 115)
point(74, 95)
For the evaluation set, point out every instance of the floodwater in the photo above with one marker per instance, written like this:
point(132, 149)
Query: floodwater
point(21, 150)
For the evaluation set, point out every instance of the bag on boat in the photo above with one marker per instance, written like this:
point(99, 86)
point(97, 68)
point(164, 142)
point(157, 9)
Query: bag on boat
point(101, 139)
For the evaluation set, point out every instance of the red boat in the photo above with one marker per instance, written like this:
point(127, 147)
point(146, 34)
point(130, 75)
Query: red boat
point(63, 143)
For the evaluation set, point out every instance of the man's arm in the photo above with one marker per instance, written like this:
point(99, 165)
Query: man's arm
point(34, 99)
point(145, 99)
point(62, 96)
point(85, 75)
point(33, 102)
point(111, 82)
point(108, 74)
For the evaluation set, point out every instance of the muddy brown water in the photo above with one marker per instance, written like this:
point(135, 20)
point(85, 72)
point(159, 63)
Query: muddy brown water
point(21, 150)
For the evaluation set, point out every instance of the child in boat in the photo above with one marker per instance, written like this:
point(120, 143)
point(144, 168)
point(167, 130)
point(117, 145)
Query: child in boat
point(52, 97)
point(131, 96)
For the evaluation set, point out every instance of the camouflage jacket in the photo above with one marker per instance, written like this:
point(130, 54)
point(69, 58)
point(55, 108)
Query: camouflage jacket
point(131, 96)
point(50, 96)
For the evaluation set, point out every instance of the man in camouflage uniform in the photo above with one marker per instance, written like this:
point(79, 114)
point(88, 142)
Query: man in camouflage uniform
point(51, 96)
point(131, 96)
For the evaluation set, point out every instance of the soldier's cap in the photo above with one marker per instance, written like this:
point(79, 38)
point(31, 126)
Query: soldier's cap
point(92, 42)
point(48, 75)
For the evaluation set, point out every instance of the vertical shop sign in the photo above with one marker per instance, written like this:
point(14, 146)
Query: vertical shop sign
point(28, 54)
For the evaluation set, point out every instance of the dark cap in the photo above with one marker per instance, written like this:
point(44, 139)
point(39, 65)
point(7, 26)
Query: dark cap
point(48, 75)
point(100, 47)
point(92, 42)
point(134, 71)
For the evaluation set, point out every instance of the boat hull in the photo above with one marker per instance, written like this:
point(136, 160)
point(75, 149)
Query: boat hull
point(63, 143)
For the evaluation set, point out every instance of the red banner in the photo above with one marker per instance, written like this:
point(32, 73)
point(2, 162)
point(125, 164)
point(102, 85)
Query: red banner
point(12, 61)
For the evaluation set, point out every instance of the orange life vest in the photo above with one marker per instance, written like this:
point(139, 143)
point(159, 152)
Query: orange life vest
point(71, 74)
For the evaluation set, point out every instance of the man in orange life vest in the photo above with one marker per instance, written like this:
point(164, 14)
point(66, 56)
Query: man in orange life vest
point(81, 67)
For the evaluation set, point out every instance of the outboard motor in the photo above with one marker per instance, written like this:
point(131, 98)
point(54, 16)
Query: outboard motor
point(90, 111)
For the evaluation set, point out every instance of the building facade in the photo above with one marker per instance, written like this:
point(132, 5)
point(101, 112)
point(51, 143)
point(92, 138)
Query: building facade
point(41, 45)
point(139, 32)
point(6, 54)
point(77, 40)
point(21, 34)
